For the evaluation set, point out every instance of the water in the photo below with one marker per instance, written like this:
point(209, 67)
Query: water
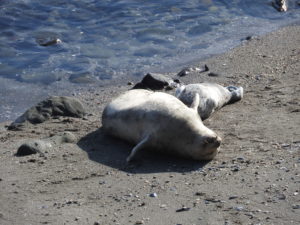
point(108, 39)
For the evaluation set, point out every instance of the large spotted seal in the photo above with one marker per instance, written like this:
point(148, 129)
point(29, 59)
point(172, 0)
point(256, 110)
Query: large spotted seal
point(160, 121)
point(212, 96)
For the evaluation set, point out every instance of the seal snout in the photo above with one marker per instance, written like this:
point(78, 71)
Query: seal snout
point(218, 141)
point(213, 141)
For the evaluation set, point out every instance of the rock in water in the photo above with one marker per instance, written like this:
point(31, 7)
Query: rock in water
point(53, 106)
point(280, 5)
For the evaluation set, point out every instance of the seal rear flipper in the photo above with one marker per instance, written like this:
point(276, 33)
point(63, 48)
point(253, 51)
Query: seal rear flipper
point(237, 94)
point(138, 147)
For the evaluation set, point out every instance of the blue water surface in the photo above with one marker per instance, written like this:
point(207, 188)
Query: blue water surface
point(112, 38)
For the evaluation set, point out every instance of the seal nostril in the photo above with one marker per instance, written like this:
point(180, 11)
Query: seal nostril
point(218, 141)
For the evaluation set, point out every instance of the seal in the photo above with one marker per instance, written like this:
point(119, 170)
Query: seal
point(212, 96)
point(160, 121)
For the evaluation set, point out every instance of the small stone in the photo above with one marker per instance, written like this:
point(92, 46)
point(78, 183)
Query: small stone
point(233, 197)
point(248, 38)
point(281, 196)
point(31, 160)
point(241, 159)
point(139, 222)
point(239, 208)
point(163, 206)
point(213, 200)
point(235, 168)
point(130, 83)
point(296, 206)
point(142, 204)
point(212, 74)
point(153, 195)
point(96, 223)
point(200, 193)
point(183, 209)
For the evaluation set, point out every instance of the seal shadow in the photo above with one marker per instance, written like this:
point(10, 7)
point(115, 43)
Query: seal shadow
point(113, 152)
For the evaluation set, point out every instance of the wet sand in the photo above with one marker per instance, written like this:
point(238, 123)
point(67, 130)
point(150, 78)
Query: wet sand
point(253, 180)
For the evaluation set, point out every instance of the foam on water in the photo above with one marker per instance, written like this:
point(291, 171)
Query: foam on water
point(107, 39)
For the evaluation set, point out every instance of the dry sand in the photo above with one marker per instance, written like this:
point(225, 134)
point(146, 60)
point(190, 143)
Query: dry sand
point(255, 179)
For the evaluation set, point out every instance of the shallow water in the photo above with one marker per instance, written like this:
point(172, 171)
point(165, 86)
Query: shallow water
point(107, 39)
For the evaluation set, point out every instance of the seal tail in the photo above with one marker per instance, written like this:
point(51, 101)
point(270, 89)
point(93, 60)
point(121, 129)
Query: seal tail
point(237, 93)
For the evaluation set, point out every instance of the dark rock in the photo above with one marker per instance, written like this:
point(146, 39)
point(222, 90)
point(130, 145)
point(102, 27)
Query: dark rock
point(155, 81)
point(47, 38)
point(51, 107)
point(32, 147)
point(248, 38)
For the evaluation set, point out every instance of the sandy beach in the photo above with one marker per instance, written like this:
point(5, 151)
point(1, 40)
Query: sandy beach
point(254, 179)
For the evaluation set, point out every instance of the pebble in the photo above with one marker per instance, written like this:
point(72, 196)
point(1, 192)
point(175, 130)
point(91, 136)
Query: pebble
point(239, 208)
point(139, 222)
point(235, 168)
point(281, 197)
point(96, 223)
point(212, 74)
point(233, 197)
point(183, 209)
point(153, 195)
point(296, 206)
point(213, 200)
point(240, 159)
point(200, 193)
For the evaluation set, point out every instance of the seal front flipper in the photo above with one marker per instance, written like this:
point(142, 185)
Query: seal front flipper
point(138, 147)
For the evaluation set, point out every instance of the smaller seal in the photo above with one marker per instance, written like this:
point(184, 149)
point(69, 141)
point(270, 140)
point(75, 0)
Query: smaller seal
point(212, 96)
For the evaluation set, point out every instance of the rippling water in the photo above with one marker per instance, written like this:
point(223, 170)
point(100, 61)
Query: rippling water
point(106, 39)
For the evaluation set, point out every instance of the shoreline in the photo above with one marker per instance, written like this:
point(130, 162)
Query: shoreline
point(254, 179)
point(38, 91)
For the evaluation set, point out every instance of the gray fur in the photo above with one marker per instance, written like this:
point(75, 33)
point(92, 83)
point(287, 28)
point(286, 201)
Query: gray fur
point(212, 96)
